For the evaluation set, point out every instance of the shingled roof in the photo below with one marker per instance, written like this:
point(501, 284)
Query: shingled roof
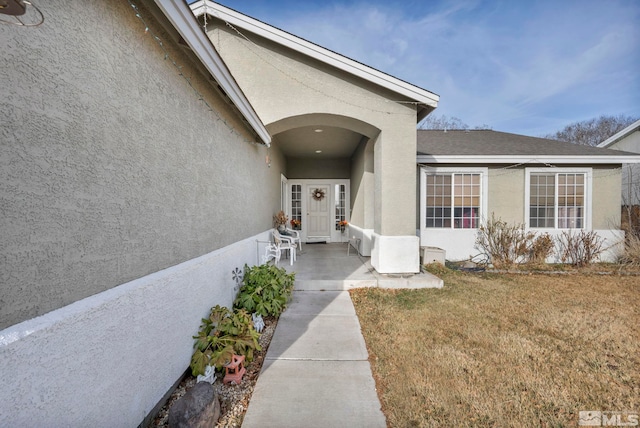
point(483, 146)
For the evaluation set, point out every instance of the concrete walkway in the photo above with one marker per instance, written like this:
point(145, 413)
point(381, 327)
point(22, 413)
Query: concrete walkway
point(328, 267)
point(316, 372)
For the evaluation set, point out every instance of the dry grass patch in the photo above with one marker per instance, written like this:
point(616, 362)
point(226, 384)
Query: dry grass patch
point(504, 350)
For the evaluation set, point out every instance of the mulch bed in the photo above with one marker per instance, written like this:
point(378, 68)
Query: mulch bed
point(234, 399)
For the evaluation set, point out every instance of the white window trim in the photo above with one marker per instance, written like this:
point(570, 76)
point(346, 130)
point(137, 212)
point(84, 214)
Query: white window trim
point(484, 192)
point(587, 196)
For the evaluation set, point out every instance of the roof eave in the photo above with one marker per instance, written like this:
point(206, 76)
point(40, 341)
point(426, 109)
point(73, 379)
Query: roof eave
point(635, 126)
point(319, 53)
point(183, 20)
point(511, 159)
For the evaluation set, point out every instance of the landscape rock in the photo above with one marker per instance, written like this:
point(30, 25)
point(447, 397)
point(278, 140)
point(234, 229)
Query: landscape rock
point(198, 408)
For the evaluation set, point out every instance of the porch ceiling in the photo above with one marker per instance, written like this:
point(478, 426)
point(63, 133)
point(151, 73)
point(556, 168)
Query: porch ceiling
point(303, 142)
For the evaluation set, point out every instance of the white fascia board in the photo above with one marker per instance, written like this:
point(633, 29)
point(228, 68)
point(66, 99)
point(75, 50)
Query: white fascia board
point(183, 20)
point(635, 126)
point(507, 159)
point(316, 52)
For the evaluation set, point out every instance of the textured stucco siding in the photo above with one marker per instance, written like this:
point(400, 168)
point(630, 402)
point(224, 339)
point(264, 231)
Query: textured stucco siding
point(293, 85)
point(459, 244)
point(631, 143)
point(506, 194)
point(607, 199)
point(506, 200)
point(126, 204)
point(301, 168)
point(111, 168)
point(107, 360)
point(630, 172)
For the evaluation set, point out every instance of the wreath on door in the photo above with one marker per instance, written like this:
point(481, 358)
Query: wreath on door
point(318, 194)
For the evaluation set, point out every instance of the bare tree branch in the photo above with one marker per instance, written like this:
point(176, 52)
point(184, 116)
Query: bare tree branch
point(593, 131)
point(442, 122)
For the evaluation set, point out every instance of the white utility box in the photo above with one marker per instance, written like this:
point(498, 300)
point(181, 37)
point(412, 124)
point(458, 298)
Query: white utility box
point(432, 254)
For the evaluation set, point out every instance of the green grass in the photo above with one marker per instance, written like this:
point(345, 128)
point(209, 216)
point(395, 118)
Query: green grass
point(504, 350)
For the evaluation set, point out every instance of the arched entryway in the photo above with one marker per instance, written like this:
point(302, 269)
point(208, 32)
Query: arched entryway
point(328, 174)
point(333, 118)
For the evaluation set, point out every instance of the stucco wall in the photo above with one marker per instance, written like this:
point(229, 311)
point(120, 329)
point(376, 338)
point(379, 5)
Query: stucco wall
point(506, 194)
point(631, 184)
point(606, 197)
point(108, 359)
point(630, 172)
point(459, 244)
point(631, 143)
point(111, 167)
point(362, 185)
point(126, 206)
point(506, 184)
point(301, 168)
point(506, 199)
point(362, 196)
point(358, 183)
point(291, 84)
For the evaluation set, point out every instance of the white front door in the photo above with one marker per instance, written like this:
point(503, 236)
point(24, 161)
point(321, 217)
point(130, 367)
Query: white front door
point(318, 210)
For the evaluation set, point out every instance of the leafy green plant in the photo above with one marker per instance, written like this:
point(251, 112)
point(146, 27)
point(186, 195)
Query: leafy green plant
point(221, 335)
point(266, 290)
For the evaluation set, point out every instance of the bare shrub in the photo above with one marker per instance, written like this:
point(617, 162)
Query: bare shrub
point(631, 219)
point(579, 248)
point(631, 250)
point(504, 244)
point(540, 248)
point(631, 227)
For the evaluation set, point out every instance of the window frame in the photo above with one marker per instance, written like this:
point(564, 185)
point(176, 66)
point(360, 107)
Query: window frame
point(296, 203)
point(339, 205)
point(587, 206)
point(484, 192)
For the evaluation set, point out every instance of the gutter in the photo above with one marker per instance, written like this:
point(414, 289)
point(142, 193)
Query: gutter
point(510, 159)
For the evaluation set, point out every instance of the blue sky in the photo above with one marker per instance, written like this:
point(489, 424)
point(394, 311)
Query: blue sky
point(528, 67)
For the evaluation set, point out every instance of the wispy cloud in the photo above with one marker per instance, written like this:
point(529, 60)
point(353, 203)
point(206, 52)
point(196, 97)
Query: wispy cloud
point(524, 67)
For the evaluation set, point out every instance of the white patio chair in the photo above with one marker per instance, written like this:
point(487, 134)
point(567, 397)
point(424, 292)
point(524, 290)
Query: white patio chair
point(284, 243)
point(295, 237)
point(271, 251)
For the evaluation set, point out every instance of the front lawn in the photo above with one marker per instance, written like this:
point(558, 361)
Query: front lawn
point(504, 350)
